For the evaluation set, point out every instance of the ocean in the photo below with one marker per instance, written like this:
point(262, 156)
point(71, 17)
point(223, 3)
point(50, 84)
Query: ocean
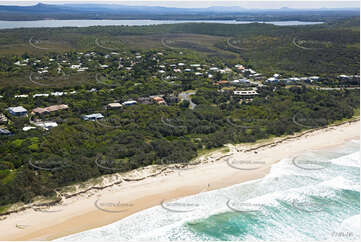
point(315, 196)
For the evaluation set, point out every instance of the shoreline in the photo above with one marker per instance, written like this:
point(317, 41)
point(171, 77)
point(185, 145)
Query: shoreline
point(80, 213)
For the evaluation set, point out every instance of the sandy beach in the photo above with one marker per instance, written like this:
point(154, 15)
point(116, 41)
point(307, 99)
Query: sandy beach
point(217, 169)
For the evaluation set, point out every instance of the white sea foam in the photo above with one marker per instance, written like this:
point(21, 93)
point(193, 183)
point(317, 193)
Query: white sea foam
point(342, 183)
point(348, 160)
point(351, 224)
point(285, 182)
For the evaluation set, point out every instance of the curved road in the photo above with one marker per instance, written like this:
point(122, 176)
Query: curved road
point(299, 46)
point(233, 46)
point(38, 83)
point(166, 45)
point(101, 46)
point(36, 47)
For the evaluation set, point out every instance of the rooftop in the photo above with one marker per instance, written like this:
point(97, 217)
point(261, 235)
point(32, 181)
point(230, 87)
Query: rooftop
point(19, 109)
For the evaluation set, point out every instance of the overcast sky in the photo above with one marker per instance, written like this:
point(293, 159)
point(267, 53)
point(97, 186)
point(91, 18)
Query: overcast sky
point(205, 3)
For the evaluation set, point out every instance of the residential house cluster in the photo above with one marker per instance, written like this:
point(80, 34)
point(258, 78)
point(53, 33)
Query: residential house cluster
point(291, 80)
point(349, 77)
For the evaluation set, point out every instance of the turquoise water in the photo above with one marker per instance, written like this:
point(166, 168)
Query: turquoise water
point(293, 202)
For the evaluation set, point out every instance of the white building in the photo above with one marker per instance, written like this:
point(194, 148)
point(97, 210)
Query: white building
point(41, 95)
point(46, 125)
point(129, 103)
point(18, 111)
point(21, 96)
point(93, 117)
point(245, 93)
point(114, 105)
point(27, 128)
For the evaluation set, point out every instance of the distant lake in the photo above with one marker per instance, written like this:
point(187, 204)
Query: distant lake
point(87, 23)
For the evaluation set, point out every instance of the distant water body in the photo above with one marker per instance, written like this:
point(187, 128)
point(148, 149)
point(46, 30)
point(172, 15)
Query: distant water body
point(87, 23)
point(314, 197)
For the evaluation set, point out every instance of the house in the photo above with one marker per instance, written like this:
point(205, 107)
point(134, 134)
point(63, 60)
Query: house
point(5, 132)
point(222, 82)
point(145, 100)
point(18, 111)
point(22, 96)
point(114, 105)
point(41, 95)
point(57, 94)
point(239, 67)
point(19, 64)
point(272, 79)
point(3, 119)
point(27, 128)
point(344, 77)
point(245, 93)
point(159, 100)
point(250, 71)
point(46, 125)
point(305, 79)
point(82, 69)
point(129, 103)
point(294, 79)
point(257, 75)
point(93, 117)
point(241, 81)
point(227, 70)
point(314, 78)
point(50, 109)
